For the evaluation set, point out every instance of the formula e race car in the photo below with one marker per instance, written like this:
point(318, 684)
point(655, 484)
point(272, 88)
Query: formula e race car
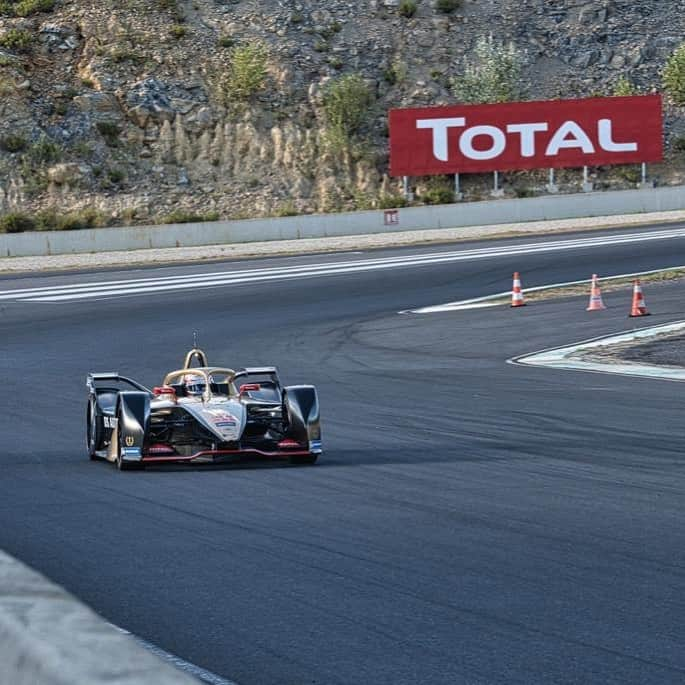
point(201, 414)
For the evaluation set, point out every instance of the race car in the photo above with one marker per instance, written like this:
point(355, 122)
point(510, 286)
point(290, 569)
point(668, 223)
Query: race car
point(201, 414)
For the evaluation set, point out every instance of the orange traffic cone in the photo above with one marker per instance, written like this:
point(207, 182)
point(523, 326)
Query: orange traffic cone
point(639, 308)
point(517, 293)
point(595, 296)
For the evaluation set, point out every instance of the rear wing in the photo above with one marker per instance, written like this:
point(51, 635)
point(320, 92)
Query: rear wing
point(271, 371)
point(93, 379)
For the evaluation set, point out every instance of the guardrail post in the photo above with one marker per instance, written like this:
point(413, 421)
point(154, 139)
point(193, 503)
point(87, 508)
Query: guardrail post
point(552, 187)
point(588, 187)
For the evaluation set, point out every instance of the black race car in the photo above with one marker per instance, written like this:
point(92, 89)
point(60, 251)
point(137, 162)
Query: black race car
point(201, 414)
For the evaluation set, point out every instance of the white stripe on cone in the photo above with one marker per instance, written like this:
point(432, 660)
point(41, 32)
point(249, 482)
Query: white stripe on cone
point(596, 302)
point(516, 292)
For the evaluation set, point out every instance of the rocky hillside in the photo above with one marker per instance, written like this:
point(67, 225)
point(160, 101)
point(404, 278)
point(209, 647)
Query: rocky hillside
point(132, 108)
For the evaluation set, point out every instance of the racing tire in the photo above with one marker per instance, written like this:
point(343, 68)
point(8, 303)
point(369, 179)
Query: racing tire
point(93, 431)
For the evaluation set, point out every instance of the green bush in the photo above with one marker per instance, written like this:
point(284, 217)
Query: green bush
point(447, 6)
point(407, 8)
point(19, 40)
point(523, 191)
point(51, 220)
point(44, 151)
point(180, 216)
point(178, 31)
point(124, 53)
point(247, 71)
point(287, 209)
point(116, 175)
point(25, 8)
point(346, 102)
point(109, 130)
point(678, 143)
point(86, 218)
point(493, 74)
point(624, 87)
point(16, 223)
point(13, 142)
point(674, 75)
point(438, 196)
point(392, 201)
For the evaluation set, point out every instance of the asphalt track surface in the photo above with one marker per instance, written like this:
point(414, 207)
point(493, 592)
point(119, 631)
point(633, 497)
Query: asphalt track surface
point(471, 521)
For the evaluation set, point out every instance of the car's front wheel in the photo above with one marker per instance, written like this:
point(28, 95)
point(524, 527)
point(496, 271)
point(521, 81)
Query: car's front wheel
point(93, 432)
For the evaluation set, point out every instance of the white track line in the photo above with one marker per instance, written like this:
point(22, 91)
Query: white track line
point(196, 671)
point(89, 290)
point(486, 300)
point(562, 357)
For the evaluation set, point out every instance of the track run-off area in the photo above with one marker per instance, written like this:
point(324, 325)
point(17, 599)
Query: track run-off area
point(470, 521)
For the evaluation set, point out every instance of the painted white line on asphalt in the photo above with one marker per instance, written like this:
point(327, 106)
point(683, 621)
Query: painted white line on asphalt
point(90, 290)
point(201, 674)
point(562, 357)
point(484, 301)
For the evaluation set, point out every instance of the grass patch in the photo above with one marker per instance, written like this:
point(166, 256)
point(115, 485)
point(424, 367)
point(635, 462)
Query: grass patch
point(247, 71)
point(16, 222)
point(14, 142)
point(44, 151)
point(109, 130)
point(607, 285)
point(25, 8)
point(407, 8)
point(180, 216)
point(52, 220)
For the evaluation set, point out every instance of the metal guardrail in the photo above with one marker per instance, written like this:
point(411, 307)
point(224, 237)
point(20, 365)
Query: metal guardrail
point(456, 215)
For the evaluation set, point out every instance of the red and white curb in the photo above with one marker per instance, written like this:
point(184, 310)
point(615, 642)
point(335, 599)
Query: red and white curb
point(565, 357)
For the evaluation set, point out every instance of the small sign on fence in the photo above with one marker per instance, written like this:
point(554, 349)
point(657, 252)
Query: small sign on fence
point(391, 217)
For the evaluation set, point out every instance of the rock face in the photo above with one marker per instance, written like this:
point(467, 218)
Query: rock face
point(129, 108)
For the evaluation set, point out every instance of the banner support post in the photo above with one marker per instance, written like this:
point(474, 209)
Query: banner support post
point(405, 189)
point(644, 183)
point(552, 187)
point(458, 195)
point(496, 190)
point(587, 185)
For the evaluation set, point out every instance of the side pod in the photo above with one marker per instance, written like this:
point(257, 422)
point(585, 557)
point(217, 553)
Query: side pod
point(301, 405)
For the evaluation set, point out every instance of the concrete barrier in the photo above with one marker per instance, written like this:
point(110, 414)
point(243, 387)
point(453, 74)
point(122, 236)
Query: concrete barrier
point(351, 223)
point(47, 637)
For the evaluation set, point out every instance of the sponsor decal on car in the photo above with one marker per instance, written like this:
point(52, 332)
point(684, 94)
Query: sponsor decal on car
point(224, 422)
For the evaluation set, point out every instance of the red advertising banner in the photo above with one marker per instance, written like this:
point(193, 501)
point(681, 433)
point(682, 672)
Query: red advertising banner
point(526, 135)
